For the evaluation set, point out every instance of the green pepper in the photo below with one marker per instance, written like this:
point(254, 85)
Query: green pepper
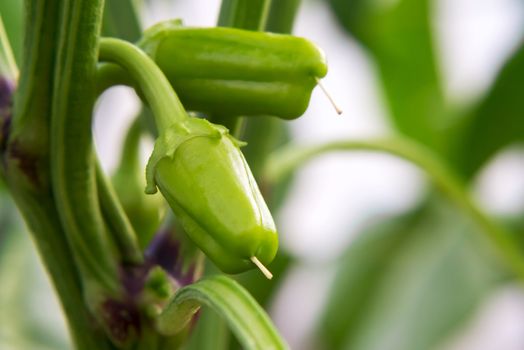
point(204, 177)
point(233, 72)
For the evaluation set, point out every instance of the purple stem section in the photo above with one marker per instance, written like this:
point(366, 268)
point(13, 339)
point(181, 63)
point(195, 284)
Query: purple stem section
point(123, 316)
point(7, 90)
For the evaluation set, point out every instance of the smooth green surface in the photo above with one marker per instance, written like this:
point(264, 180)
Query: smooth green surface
point(160, 96)
point(12, 12)
point(233, 72)
point(119, 224)
point(203, 175)
point(282, 14)
point(210, 332)
point(27, 323)
point(244, 14)
point(496, 122)
point(27, 173)
point(8, 68)
point(358, 275)
point(398, 35)
point(244, 316)
point(72, 155)
point(412, 282)
point(292, 157)
point(121, 20)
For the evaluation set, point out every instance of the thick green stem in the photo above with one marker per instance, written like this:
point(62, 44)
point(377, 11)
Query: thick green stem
point(291, 158)
point(25, 164)
point(44, 223)
point(282, 16)
point(119, 224)
point(167, 108)
point(244, 14)
point(72, 155)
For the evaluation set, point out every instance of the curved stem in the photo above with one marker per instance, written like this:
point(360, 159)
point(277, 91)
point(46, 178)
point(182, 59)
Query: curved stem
point(167, 108)
point(109, 75)
point(290, 158)
point(245, 317)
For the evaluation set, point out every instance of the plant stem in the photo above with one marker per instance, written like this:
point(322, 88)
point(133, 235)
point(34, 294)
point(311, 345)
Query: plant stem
point(26, 168)
point(167, 108)
point(72, 155)
point(291, 158)
point(282, 16)
point(119, 224)
point(243, 14)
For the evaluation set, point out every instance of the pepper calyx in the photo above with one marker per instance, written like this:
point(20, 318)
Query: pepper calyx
point(170, 140)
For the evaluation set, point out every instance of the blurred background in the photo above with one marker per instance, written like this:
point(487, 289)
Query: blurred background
point(439, 289)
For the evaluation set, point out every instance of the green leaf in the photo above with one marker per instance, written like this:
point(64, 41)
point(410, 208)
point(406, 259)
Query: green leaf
point(358, 277)
point(121, 20)
point(8, 67)
point(495, 123)
point(210, 332)
point(399, 38)
point(24, 286)
point(13, 16)
point(288, 159)
point(413, 294)
point(244, 316)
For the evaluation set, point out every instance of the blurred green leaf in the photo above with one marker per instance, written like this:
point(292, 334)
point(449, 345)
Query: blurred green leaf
point(12, 15)
point(28, 319)
point(246, 319)
point(282, 14)
point(259, 286)
point(399, 38)
point(411, 292)
point(358, 278)
point(210, 332)
point(495, 123)
point(121, 20)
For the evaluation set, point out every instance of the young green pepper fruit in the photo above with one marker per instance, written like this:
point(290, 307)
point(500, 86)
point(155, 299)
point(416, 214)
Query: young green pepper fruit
point(204, 177)
point(235, 72)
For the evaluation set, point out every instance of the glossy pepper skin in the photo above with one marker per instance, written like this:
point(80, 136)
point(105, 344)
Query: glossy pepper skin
point(204, 177)
point(236, 72)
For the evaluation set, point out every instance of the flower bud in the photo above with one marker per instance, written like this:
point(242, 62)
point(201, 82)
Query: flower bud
point(236, 72)
point(206, 180)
